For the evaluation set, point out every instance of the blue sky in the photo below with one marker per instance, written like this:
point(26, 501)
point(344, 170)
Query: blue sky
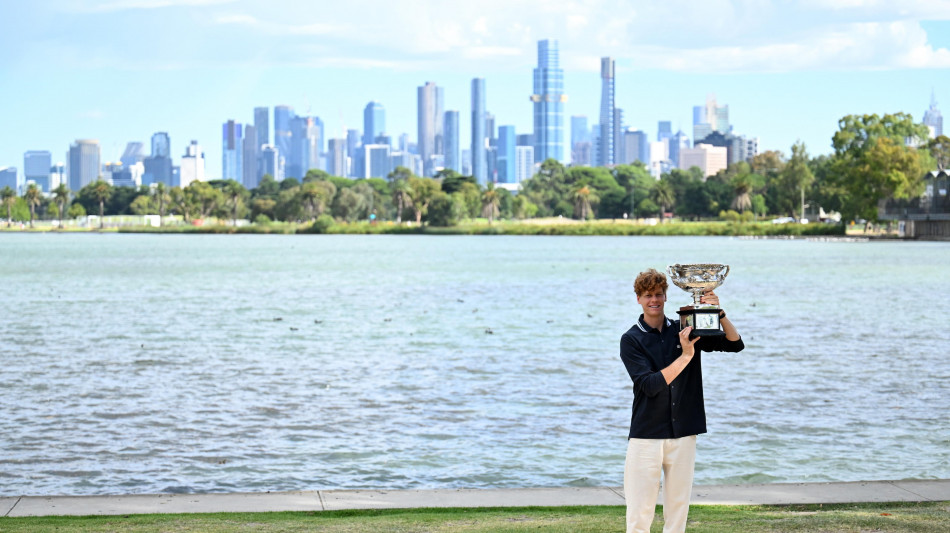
point(120, 70)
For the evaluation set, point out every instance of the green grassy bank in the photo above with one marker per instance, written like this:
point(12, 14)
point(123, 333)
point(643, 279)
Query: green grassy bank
point(885, 517)
point(606, 228)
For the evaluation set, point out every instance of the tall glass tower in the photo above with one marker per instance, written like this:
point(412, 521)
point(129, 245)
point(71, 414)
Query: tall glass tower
point(232, 151)
point(430, 122)
point(374, 122)
point(479, 161)
point(453, 158)
point(548, 99)
point(283, 137)
point(932, 117)
point(605, 152)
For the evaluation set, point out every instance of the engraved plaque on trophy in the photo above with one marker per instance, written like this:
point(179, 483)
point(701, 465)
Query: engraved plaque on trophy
point(696, 279)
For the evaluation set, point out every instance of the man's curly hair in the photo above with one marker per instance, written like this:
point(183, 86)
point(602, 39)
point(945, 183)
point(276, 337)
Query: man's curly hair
point(650, 281)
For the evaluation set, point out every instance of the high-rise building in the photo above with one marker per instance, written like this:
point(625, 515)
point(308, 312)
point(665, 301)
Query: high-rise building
point(232, 151)
point(466, 162)
point(336, 157)
point(548, 100)
point(84, 166)
point(252, 155)
point(404, 142)
point(132, 154)
point(635, 147)
point(270, 162)
point(158, 165)
point(374, 122)
point(506, 159)
point(453, 156)
point(605, 149)
point(8, 178)
point(430, 121)
point(192, 166)
point(524, 163)
point(677, 143)
point(377, 161)
point(580, 141)
point(710, 159)
point(659, 158)
point(619, 148)
point(524, 139)
point(37, 165)
point(283, 136)
point(664, 130)
point(709, 118)
point(262, 126)
point(933, 119)
point(305, 146)
point(479, 162)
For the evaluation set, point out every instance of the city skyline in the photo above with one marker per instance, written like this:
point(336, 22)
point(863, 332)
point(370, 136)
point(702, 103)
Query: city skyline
point(778, 87)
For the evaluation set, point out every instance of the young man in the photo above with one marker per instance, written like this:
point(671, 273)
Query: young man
point(668, 410)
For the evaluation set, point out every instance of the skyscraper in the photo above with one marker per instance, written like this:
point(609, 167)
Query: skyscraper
point(232, 151)
point(430, 125)
point(605, 150)
point(270, 162)
point(251, 158)
point(305, 136)
point(664, 130)
point(192, 165)
point(336, 157)
point(161, 144)
point(374, 122)
point(479, 170)
point(506, 157)
point(548, 99)
point(36, 168)
point(8, 178)
point(452, 149)
point(580, 141)
point(932, 118)
point(132, 154)
point(618, 129)
point(84, 166)
point(636, 147)
point(158, 166)
point(261, 126)
point(283, 137)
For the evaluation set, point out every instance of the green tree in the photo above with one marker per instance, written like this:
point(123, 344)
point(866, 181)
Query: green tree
point(162, 198)
point(8, 198)
point(664, 196)
point(76, 211)
point(402, 190)
point(33, 197)
point(871, 162)
point(61, 197)
point(490, 201)
point(445, 209)
point(940, 151)
point(583, 197)
point(143, 205)
point(316, 195)
point(101, 191)
point(201, 199)
point(794, 179)
point(234, 194)
point(421, 191)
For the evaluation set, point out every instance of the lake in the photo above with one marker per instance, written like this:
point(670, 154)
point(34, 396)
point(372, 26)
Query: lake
point(220, 363)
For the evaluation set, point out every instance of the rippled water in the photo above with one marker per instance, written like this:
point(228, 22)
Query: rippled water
point(180, 363)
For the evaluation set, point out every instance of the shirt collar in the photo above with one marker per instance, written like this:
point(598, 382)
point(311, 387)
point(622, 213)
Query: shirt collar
point(646, 328)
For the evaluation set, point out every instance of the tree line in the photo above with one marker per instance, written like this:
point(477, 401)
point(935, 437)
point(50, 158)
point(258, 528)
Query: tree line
point(875, 158)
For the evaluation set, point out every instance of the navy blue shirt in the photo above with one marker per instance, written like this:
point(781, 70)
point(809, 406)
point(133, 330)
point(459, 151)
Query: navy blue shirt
point(662, 411)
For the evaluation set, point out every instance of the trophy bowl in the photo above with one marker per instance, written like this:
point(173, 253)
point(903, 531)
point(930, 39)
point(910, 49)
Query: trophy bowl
point(698, 278)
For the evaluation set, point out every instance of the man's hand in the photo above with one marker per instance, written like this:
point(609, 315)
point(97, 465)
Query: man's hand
point(709, 297)
point(689, 346)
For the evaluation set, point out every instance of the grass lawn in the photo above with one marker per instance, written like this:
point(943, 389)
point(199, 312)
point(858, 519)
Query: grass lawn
point(924, 517)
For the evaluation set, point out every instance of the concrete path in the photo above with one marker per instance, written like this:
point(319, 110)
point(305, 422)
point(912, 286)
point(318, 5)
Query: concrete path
point(327, 500)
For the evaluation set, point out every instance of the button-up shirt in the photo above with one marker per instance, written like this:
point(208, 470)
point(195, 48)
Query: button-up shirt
point(662, 411)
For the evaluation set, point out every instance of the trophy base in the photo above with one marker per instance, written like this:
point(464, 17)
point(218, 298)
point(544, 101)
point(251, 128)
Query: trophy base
point(704, 320)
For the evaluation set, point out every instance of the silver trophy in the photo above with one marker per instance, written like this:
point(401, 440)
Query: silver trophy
point(697, 279)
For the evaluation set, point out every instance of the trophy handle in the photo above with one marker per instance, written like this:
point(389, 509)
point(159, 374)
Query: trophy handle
point(724, 274)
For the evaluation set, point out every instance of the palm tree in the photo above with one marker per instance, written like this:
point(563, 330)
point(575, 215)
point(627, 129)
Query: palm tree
point(583, 197)
point(102, 191)
point(33, 196)
point(490, 201)
point(162, 196)
point(8, 197)
point(402, 197)
point(663, 195)
point(234, 191)
point(61, 196)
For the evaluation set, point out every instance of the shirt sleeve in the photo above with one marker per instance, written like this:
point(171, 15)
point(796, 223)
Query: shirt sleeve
point(645, 379)
point(720, 344)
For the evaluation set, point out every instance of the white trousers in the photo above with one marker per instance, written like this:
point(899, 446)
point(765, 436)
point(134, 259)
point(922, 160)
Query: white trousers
point(646, 459)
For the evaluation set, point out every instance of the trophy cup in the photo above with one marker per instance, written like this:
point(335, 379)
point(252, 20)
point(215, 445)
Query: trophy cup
point(696, 279)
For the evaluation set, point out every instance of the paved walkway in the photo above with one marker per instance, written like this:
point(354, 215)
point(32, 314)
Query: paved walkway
point(327, 500)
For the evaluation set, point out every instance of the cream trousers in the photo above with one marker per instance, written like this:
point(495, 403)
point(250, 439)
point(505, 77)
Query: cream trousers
point(646, 458)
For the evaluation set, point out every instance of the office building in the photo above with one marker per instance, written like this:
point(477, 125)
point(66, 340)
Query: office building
point(548, 103)
point(506, 158)
point(374, 122)
point(710, 118)
point(232, 151)
point(664, 130)
point(192, 166)
point(133, 154)
point(605, 148)
point(677, 143)
point(283, 136)
point(377, 162)
point(580, 141)
point(305, 146)
point(478, 138)
point(429, 123)
point(158, 165)
point(83, 163)
point(635, 147)
point(37, 165)
point(161, 145)
point(251, 152)
point(336, 157)
point(618, 132)
point(262, 126)
point(932, 118)
point(450, 128)
point(659, 158)
point(8, 178)
point(57, 176)
point(524, 163)
point(710, 159)
point(270, 162)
